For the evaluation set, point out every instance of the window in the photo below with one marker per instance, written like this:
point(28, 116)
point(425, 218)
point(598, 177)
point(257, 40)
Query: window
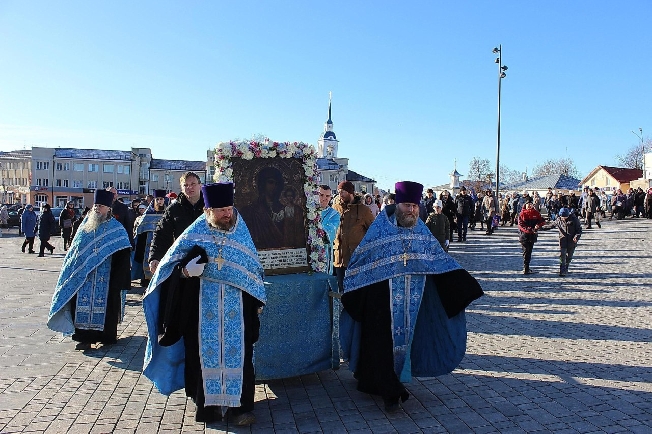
point(107, 184)
point(42, 182)
point(57, 183)
point(59, 166)
point(78, 167)
point(76, 183)
point(42, 165)
point(119, 168)
point(127, 170)
point(92, 184)
point(108, 168)
point(93, 167)
point(41, 199)
point(154, 177)
point(65, 183)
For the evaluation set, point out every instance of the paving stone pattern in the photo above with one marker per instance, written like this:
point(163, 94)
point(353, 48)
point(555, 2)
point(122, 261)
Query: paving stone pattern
point(545, 354)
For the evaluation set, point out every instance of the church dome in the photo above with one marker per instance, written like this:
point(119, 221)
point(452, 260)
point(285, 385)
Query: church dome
point(329, 135)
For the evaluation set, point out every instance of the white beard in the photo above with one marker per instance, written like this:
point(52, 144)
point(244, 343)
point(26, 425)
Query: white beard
point(94, 221)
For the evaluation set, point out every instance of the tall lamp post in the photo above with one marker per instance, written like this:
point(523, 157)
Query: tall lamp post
point(501, 74)
point(642, 146)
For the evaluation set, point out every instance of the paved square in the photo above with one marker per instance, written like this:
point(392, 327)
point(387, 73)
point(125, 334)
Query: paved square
point(544, 354)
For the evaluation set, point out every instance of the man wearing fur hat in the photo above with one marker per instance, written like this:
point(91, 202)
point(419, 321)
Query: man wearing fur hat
point(214, 281)
point(88, 301)
point(399, 273)
point(355, 219)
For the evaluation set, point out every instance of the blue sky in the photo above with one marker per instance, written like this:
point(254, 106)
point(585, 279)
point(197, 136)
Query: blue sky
point(414, 83)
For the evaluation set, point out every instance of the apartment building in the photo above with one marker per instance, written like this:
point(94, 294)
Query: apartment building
point(15, 175)
point(66, 174)
point(166, 174)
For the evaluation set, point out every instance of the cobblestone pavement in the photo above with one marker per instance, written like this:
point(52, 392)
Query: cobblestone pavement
point(545, 354)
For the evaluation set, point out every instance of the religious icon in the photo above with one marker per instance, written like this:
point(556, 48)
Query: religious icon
point(269, 196)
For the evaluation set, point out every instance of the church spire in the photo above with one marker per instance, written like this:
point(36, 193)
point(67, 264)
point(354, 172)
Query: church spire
point(327, 145)
point(330, 96)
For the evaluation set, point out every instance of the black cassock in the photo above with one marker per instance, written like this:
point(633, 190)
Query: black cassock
point(179, 317)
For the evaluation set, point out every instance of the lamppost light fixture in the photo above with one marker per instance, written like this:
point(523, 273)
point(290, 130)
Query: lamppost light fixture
point(496, 50)
point(503, 75)
point(497, 60)
point(504, 68)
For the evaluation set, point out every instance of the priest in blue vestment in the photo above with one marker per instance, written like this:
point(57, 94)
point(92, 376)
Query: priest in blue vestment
point(202, 337)
point(88, 301)
point(404, 301)
point(144, 228)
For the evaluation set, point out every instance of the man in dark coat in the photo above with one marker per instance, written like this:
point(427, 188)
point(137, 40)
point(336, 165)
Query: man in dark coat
point(449, 210)
point(464, 206)
point(404, 301)
point(177, 217)
point(46, 225)
point(120, 212)
point(66, 221)
point(592, 208)
point(570, 231)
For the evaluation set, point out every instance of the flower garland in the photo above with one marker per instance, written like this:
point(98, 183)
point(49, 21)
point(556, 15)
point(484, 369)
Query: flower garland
point(225, 151)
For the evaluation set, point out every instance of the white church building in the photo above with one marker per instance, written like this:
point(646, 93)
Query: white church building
point(334, 169)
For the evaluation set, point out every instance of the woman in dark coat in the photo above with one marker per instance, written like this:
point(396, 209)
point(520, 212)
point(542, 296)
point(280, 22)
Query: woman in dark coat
point(28, 227)
point(46, 225)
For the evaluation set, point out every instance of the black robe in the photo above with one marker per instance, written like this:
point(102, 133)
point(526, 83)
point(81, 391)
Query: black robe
point(370, 306)
point(179, 317)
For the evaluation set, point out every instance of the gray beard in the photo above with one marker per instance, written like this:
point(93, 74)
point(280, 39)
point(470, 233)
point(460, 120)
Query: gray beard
point(405, 220)
point(94, 221)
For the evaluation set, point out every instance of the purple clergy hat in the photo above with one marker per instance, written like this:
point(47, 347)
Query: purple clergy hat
point(218, 195)
point(159, 193)
point(408, 191)
point(103, 197)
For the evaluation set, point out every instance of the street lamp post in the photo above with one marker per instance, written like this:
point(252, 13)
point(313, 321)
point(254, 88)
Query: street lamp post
point(642, 146)
point(501, 74)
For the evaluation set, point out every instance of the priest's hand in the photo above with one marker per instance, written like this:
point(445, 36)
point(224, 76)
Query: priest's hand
point(446, 243)
point(153, 265)
point(193, 269)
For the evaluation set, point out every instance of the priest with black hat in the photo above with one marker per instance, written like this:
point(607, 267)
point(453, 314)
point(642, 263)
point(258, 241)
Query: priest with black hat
point(202, 309)
point(88, 302)
point(404, 301)
point(144, 228)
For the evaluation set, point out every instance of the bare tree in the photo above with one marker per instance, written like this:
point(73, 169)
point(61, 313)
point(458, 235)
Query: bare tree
point(562, 166)
point(509, 176)
point(633, 158)
point(480, 175)
point(480, 170)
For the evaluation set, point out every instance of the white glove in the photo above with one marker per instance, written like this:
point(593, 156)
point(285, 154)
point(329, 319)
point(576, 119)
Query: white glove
point(193, 269)
point(446, 243)
point(153, 266)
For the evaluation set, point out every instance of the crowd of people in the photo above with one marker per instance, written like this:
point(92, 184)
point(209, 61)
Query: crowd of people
point(196, 257)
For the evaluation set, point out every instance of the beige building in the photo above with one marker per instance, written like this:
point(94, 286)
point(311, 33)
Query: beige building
point(66, 174)
point(611, 178)
point(15, 176)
